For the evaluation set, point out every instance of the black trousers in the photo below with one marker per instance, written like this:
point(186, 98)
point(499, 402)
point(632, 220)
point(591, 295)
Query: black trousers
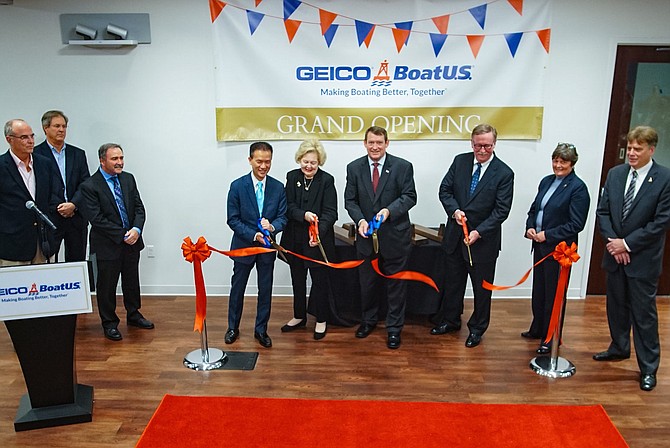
point(127, 267)
point(73, 239)
point(319, 294)
point(396, 292)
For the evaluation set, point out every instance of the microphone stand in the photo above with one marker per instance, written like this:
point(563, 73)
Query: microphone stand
point(44, 241)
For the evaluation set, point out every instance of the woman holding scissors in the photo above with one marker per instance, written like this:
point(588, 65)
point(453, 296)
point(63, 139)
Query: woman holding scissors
point(312, 211)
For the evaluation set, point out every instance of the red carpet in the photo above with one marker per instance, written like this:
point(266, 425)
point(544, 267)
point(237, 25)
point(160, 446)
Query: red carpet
point(269, 422)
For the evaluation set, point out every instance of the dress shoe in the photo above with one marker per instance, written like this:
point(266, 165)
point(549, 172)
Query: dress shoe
point(473, 340)
point(287, 328)
point(141, 323)
point(364, 330)
point(444, 328)
point(263, 339)
point(318, 335)
point(231, 336)
point(607, 356)
point(543, 349)
point(529, 335)
point(647, 381)
point(113, 334)
point(393, 341)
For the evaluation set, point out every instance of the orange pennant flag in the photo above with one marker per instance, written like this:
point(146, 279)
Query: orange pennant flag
point(291, 28)
point(475, 42)
point(368, 38)
point(518, 5)
point(215, 8)
point(441, 23)
point(400, 37)
point(258, 2)
point(545, 37)
point(326, 18)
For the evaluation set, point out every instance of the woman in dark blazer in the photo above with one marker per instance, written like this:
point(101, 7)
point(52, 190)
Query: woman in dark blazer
point(310, 196)
point(557, 214)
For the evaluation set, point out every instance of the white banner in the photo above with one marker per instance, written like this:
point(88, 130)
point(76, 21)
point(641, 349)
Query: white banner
point(44, 290)
point(287, 69)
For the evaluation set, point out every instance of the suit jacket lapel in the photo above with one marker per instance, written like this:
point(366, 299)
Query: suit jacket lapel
point(384, 175)
point(14, 173)
point(646, 185)
point(366, 177)
point(486, 178)
point(250, 188)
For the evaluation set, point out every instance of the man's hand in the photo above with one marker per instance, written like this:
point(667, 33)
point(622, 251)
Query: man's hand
point(131, 237)
point(383, 214)
point(66, 209)
point(363, 228)
point(460, 217)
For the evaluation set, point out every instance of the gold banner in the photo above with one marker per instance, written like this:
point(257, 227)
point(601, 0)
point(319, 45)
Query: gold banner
point(415, 123)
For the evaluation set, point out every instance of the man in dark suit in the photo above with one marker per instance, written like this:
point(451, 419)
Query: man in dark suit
point(113, 205)
point(381, 187)
point(25, 176)
point(477, 190)
point(256, 205)
point(634, 216)
point(70, 162)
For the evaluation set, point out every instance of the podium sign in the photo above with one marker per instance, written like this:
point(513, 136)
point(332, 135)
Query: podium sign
point(44, 290)
point(39, 304)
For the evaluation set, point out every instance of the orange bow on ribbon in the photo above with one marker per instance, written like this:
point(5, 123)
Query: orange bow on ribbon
point(565, 255)
point(196, 254)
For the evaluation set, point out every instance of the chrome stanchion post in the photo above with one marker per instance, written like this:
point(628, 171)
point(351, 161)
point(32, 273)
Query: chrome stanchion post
point(205, 358)
point(553, 365)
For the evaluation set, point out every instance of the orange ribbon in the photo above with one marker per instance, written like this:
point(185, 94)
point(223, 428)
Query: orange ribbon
point(406, 275)
point(565, 255)
point(196, 254)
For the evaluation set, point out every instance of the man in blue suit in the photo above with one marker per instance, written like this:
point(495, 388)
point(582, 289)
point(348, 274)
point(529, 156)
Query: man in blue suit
point(256, 205)
point(477, 190)
point(634, 216)
point(70, 162)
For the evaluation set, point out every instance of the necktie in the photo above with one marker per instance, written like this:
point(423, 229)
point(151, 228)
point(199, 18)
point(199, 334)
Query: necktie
point(375, 177)
point(259, 197)
point(475, 178)
point(118, 197)
point(630, 194)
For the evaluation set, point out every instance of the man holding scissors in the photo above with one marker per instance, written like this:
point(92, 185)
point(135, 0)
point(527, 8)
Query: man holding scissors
point(476, 193)
point(378, 195)
point(256, 212)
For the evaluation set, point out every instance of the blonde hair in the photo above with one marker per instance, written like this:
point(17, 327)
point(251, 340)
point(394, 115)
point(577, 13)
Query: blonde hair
point(311, 145)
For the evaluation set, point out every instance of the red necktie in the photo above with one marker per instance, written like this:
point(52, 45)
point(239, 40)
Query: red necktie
point(375, 177)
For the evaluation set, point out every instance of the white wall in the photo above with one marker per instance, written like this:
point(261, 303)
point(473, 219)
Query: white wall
point(157, 101)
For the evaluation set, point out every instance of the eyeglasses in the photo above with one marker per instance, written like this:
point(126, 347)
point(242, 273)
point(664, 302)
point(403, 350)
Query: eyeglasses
point(24, 138)
point(565, 145)
point(479, 146)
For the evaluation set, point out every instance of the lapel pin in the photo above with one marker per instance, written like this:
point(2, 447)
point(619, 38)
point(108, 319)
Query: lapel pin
point(298, 184)
point(650, 180)
point(387, 171)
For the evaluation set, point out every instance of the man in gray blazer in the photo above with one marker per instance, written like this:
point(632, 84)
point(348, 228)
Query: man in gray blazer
point(381, 187)
point(477, 190)
point(634, 216)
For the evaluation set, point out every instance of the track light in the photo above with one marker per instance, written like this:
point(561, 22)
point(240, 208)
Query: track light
point(88, 33)
point(117, 31)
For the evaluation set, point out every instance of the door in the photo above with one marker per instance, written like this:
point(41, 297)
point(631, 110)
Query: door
point(640, 96)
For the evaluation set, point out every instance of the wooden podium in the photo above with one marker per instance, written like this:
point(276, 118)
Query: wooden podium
point(39, 304)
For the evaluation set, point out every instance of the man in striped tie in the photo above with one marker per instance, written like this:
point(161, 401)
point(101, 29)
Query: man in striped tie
point(115, 210)
point(634, 216)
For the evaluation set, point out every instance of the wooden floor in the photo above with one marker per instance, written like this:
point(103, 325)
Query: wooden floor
point(130, 377)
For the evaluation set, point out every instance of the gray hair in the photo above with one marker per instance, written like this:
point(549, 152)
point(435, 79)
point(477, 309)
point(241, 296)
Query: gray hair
point(311, 145)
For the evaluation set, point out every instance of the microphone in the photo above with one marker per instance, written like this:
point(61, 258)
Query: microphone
point(30, 205)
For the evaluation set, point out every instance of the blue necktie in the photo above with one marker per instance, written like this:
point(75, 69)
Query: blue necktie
point(118, 197)
point(475, 178)
point(259, 198)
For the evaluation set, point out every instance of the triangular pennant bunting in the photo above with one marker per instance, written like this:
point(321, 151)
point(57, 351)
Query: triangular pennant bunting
point(326, 18)
point(289, 7)
point(291, 28)
point(400, 37)
point(475, 42)
point(215, 8)
point(438, 41)
point(518, 5)
point(364, 32)
point(330, 34)
point(405, 26)
point(441, 23)
point(254, 19)
point(479, 13)
point(545, 37)
point(258, 2)
point(513, 40)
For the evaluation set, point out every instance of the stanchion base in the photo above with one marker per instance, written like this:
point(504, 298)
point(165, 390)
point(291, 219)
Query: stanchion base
point(196, 361)
point(542, 366)
point(81, 411)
